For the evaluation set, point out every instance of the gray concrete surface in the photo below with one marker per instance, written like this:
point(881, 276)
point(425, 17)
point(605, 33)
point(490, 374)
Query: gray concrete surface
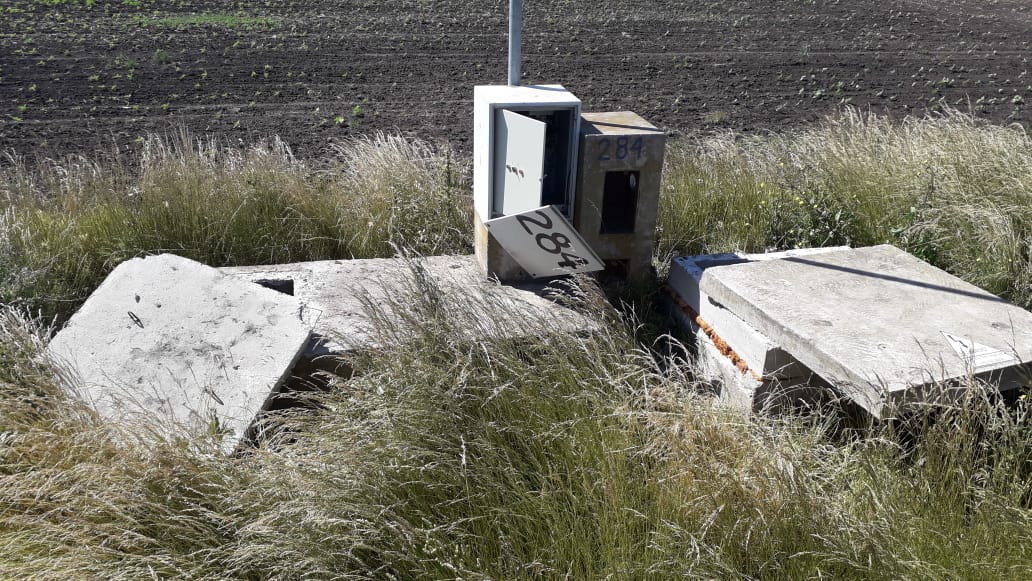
point(761, 353)
point(619, 141)
point(173, 342)
point(343, 299)
point(719, 362)
point(742, 390)
point(732, 386)
point(879, 324)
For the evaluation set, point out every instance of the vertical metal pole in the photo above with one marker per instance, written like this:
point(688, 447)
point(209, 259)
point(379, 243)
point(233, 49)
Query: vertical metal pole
point(515, 29)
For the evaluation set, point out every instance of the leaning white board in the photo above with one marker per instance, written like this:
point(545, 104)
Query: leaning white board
point(544, 243)
point(519, 170)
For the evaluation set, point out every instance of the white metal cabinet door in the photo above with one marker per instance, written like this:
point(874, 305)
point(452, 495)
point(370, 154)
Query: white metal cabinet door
point(544, 243)
point(519, 162)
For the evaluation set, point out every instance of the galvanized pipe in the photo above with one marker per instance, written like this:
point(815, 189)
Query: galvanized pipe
point(515, 29)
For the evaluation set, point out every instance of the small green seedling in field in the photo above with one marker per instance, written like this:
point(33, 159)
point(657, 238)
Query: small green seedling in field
point(716, 117)
point(162, 57)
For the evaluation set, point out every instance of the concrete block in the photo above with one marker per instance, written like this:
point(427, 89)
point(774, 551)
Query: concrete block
point(686, 271)
point(760, 353)
point(169, 339)
point(737, 385)
point(619, 171)
point(877, 323)
point(342, 295)
point(493, 260)
point(733, 385)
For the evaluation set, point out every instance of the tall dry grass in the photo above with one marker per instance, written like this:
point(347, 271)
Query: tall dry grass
point(459, 455)
point(69, 222)
point(576, 456)
point(952, 190)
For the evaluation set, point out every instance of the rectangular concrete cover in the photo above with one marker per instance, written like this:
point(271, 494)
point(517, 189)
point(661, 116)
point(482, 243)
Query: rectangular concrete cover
point(874, 321)
point(338, 296)
point(173, 340)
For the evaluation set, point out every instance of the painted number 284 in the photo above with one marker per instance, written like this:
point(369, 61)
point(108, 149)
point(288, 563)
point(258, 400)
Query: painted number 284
point(551, 242)
point(619, 148)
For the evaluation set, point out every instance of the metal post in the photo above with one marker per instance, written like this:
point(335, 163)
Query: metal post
point(515, 29)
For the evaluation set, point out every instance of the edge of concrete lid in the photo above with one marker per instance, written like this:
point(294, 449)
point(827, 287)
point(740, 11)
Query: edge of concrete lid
point(339, 289)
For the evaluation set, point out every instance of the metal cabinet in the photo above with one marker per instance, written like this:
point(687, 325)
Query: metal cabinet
point(525, 141)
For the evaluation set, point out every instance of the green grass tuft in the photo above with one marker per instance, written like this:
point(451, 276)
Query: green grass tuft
point(573, 457)
point(69, 223)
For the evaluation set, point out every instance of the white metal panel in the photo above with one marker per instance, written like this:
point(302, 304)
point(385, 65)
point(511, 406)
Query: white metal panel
point(544, 243)
point(483, 138)
point(519, 163)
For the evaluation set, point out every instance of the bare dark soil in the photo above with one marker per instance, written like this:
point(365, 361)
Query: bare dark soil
point(75, 78)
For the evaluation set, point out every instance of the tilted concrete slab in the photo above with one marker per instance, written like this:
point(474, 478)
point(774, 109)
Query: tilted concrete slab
point(760, 353)
point(879, 324)
point(342, 297)
point(732, 384)
point(743, 390)
point(169, 339)
point(730, 353)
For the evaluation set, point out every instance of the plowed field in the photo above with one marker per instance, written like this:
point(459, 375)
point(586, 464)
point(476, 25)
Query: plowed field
point(78, 75)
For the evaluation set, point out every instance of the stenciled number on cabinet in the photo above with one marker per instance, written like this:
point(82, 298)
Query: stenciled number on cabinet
point(551, 242)
point(619, 148)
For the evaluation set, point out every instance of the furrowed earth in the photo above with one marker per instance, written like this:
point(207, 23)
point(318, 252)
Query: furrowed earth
point(79, 76)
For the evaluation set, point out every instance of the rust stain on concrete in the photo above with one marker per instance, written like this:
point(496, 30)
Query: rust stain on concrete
point(718, 342)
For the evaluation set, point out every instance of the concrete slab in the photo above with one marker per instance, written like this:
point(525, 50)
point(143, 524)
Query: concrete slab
point(744, 391)
point(730, 375)
point(733, 385)
point(169, 339)
point(340, 296)
point(878, 323)
point(760, 353)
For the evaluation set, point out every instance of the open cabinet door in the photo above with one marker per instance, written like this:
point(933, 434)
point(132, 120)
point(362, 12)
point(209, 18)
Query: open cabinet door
point(544, 243)
point(519, 162)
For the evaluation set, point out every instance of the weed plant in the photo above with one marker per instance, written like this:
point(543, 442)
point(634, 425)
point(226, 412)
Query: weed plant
point(950, 189)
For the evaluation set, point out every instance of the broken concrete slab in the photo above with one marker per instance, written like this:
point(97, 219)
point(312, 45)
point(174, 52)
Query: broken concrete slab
point(341, 296)
point(169, 339)
point(879, 324)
